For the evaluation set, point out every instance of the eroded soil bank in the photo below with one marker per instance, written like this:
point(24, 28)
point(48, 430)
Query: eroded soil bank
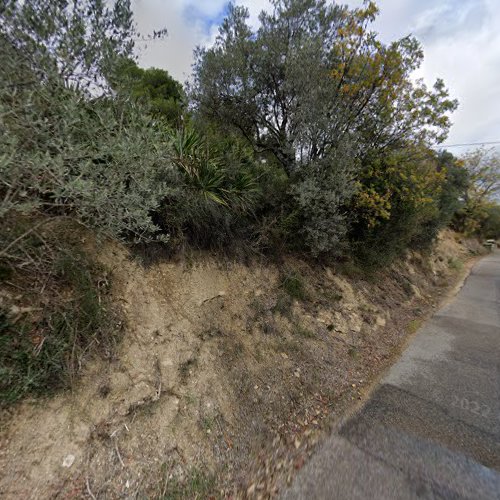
point(225, 378)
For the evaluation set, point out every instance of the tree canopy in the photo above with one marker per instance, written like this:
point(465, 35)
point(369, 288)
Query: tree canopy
point(314, 75)
point(154, 86)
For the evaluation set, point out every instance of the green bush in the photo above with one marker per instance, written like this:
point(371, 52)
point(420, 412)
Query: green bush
point(42, 350)
point(212, 191)
point(293, 285)
point(320, 197)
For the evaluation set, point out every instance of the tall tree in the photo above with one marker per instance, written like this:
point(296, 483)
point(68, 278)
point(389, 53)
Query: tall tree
point(313, 75)
point(483, 189)
point(154, 86)
point(78, 43)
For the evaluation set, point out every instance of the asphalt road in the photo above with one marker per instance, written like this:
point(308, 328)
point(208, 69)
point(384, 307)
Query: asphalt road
point(431, 429)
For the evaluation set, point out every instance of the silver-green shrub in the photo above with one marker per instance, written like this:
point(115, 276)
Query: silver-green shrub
point(67, 146)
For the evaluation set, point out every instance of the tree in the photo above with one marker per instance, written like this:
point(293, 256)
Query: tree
point(68, 146)
point(490, 227)
point(483, 168)
point(78, 43)
point(153, 86)
point(313, 75)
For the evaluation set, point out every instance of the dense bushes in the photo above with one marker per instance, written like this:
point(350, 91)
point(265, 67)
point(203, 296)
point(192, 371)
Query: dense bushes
point(335, 160)
point(314, 89)
point(99, 161)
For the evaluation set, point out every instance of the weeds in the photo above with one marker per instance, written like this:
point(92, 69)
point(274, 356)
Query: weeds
point(293, 285)
point(303, 332)
point(333, 295)
point(207, 423)
point(283, 305)
point(185, 369)
point(414, 325)
point(43, 346)
point(197, 485)
point(455, 264)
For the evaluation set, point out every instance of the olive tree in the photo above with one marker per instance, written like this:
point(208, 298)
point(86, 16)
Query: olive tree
point(314, 88)
point(313, 75)
point(68, 146)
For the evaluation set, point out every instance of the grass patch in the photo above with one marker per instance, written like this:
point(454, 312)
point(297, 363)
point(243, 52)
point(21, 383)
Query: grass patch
point(293, 286)
point(197, 485)
point(455, 264)
point(413, 325)
point(283, 304)
point(207, 423)
point(303, 332)
point(57, 319)
point(351, 270)
point(333, 295)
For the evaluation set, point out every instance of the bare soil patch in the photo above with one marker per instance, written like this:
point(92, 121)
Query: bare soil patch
point(226, 377)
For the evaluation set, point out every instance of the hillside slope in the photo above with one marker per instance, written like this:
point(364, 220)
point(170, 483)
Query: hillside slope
point(226, 375)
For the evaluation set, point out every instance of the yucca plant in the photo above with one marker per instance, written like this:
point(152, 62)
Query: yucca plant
point(205, 172)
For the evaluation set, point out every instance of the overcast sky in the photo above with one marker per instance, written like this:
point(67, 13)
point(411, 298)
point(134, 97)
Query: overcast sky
point(461, 40)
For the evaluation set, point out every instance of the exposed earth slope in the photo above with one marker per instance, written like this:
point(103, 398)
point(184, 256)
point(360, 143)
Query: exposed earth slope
point(226, 376)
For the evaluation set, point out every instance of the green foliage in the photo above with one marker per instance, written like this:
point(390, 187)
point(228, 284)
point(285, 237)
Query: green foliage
point(481, 192)
point(490, 228)
point(293, 285)
point(197, 485)
point(320, 197)
point(41, 350)
point(154, 87)
point(313, 75)
point(403, 200)
point(455, 264)
point(213, 190)
point(308, 133)
point(65, 151)
point(98, 161)
point(76, 43)
point(315, 89)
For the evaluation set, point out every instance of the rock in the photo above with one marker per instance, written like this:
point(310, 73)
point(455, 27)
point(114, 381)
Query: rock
point(380, 321)
point(68, 461)
point(415, 291)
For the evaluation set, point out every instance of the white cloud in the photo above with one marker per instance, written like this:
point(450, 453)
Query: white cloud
point(461, 40)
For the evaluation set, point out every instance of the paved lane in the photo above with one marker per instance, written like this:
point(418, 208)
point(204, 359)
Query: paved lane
point(431, 429)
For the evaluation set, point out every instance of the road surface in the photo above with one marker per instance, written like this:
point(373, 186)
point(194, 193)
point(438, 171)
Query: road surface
point(431, 429)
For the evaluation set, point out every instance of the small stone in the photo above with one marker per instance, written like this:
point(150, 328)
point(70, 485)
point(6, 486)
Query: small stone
point(380, 321)
point(68, 461)
point(284, 355)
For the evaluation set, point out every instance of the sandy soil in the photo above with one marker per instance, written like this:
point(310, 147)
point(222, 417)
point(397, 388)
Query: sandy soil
point(218, 371)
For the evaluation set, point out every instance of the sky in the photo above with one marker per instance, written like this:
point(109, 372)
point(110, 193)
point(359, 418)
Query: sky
point(460, 38)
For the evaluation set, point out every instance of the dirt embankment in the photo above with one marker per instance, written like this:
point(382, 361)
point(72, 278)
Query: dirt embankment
point(226, 376)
